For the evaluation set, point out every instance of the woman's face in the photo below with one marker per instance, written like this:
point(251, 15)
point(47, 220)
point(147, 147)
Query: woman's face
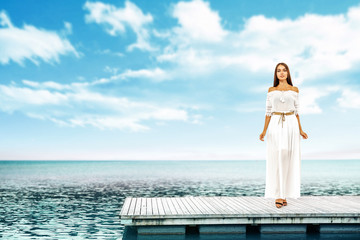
point(281, 72)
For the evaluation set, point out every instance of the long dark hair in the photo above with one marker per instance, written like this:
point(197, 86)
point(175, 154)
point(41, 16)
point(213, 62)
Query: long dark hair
point(288, 79)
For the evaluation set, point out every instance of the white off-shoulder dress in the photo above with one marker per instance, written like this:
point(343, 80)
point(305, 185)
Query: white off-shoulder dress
point(283, 146)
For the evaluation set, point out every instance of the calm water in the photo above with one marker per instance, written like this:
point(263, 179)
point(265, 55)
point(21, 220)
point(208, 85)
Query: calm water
point(82, 199)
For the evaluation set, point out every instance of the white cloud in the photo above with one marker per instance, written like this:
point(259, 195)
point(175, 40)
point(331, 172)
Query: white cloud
point(192, 60)
point(5, 20)
point(14, 97)
point(169, 114)
point(46, 85)
point(115, 20)
point(111, 70)
point(349, 99)
point(313, 45)
point(108, 52)
point(156, 74)
point(75, 105)
point(68, 28)
point(29, 42)
point(317, 45)
point(309, 96)
point(198, 22)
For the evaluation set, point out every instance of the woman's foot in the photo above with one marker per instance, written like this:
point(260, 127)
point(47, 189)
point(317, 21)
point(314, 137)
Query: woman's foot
point(284, 202)
point(278, 203)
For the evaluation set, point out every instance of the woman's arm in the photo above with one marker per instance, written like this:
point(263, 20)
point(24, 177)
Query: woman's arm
point(267, 120)
point(298, 118)
point(303, 134)
point(267, 114)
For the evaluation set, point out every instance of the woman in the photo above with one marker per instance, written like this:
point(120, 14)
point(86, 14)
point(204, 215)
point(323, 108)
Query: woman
point(283, 139)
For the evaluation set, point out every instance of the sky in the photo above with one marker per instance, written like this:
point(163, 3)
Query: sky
point(173, 80)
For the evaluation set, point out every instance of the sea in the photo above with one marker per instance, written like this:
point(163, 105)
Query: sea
point(83, 199)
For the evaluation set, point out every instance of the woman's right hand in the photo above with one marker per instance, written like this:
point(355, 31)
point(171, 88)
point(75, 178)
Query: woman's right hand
point(262, 135)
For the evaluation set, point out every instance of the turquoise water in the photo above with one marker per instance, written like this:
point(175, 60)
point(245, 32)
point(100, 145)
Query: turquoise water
point(82, 199)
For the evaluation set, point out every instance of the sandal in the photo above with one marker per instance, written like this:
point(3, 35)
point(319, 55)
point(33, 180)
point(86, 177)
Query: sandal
point(278, 204)
point(284, 202)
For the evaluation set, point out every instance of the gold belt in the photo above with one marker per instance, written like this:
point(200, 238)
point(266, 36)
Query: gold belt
point(282, 118)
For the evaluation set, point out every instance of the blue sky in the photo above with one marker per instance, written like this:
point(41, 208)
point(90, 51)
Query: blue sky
point(173, 80)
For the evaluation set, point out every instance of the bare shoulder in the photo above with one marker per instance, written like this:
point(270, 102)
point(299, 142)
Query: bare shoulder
point(271, 89)
point(295, 89)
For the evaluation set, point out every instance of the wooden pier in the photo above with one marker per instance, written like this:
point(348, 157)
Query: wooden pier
point(214, 215)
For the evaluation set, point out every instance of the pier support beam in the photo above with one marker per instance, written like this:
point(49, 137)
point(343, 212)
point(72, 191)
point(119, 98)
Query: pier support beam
point(220, 229)
point(283, 228)
point(339, 228)
point(146, 230)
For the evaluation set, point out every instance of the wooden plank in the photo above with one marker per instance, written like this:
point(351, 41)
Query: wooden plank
point(154, 206)
point(270, 207)
point(165, 204)
point(320, 207)
point(181, 205)
point(247, 209)
point(293, 205)
point(343, 204)
point(266, 205)
point(349, 202)
point(143, 206)
point(314, 205)
point(191, 206)
point(132, 206)
point(202, 207)
point(354, 199)
point(222, 205)
point(239, 209)
point(160, 206)
point(148, 206)
point(216, 205)
point(250, 206)
point(308, 208)
point(125, 207)
point(320, 204)
point(205, 203)
point(175, 209)
point(190, 210)
point(138, 207)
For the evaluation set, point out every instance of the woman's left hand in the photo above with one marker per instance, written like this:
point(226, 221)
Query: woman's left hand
point(303, 134)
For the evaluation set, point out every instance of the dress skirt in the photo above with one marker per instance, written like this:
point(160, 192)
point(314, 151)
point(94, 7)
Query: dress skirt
point(283, 158)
